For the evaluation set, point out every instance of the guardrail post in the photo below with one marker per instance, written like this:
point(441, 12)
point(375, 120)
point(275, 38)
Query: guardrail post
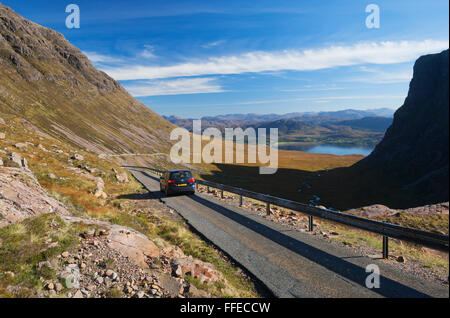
point(385, 247)
point(268, 208)
point(240, 200)
point(311, 223)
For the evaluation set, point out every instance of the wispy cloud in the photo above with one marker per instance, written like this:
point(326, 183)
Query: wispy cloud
point(102, 60)
point(174, 87)
point(148, 52)
point(326, 99)
point(307, 60)
point(377, 76)
point(213, 44)
point(316, 99)
point(312, 89)
point(95, 57)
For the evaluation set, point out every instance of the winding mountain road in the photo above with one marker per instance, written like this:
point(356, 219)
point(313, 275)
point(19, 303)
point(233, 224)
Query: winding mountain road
point(289, 263)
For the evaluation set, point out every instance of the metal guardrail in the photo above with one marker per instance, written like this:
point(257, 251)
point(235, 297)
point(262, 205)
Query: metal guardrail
point(387, 230)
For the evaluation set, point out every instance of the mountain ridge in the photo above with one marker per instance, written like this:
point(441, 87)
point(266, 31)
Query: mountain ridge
point(253, 118)
point(53, 85)
point(380, 124)
point(415, 149)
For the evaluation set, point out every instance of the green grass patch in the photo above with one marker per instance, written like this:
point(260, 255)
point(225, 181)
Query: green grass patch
point(24, 245)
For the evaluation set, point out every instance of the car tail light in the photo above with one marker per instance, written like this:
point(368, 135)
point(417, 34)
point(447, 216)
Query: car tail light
point(170, 181)
point(191, 180)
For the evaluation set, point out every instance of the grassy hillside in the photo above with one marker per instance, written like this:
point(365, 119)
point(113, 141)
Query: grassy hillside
point(74, 183)
point(50, 83)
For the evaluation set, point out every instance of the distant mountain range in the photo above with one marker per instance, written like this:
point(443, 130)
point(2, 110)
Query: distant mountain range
point(314, 118)
point(345, 127)
point(380, 124)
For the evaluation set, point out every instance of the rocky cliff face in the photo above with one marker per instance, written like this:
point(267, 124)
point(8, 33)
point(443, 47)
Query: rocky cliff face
point(50, 83)
point(415, 149)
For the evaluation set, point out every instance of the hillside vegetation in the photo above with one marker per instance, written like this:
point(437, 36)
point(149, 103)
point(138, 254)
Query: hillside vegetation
point(84, 194)
point(298, 131)
point(50, 83)
point(347, 133)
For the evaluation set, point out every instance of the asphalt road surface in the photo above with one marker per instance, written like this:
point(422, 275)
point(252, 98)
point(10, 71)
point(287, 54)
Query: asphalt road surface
point(288, 262)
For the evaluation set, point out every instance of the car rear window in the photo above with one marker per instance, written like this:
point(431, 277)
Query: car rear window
point(181, 176)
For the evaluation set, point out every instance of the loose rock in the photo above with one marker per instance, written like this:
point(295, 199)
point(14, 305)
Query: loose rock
point(401, 259)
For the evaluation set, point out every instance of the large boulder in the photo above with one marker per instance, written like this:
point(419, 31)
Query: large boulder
point(22, 197)
point(204, 272)
point(18, 159)
point(77, 157)
point(133, 244)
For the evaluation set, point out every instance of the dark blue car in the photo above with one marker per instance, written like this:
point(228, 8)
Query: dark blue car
point(177, 181)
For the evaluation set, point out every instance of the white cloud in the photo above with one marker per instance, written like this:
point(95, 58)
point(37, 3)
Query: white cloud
point(213, 44)
point(100, 58)
point(356, 97)
point(307, 60)
point(174, 87)
point(377, 76)
point(316, 99)
point(308, 88)
point(148, 52)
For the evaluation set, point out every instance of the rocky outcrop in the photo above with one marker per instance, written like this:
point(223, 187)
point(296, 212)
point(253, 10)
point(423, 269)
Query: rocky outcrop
point(415, 149)
point(18, 160)
point(26, 40)
point(134, 245)
point(381, 210)
point(206, 273)
point(22, 197)
point(121, 177)
point(87, 273)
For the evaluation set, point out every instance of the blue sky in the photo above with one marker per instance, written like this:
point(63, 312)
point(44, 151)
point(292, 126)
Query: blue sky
point(197, 58)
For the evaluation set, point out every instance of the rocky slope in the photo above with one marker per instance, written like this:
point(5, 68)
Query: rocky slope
point(50, 83)
point(415, 149)
point(86, 271)
point(382, 210)
point(76, 225)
